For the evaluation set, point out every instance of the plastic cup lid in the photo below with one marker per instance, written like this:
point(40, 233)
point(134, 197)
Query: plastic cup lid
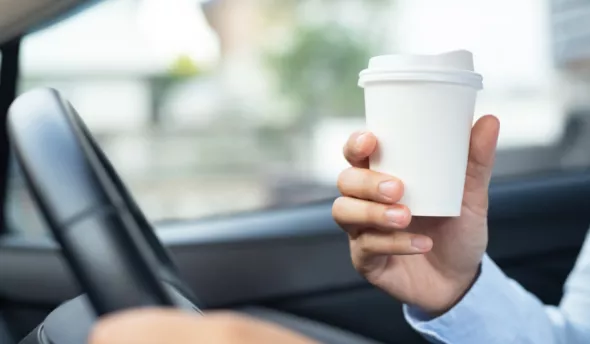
point(451, 67)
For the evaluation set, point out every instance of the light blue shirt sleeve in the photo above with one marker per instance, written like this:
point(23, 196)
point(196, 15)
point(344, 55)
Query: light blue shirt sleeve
point(498, 310)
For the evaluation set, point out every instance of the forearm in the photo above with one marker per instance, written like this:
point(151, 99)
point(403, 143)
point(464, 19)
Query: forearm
point(499, 310)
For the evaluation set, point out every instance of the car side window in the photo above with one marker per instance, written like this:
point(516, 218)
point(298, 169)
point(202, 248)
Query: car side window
point(217, 107)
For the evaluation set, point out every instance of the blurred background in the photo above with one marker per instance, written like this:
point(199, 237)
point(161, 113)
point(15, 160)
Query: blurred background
point(214, 107)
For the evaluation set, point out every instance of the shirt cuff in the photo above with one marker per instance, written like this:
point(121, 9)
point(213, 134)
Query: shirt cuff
point(479, 316)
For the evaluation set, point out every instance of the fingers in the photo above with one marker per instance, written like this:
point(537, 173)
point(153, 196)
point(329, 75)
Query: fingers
point(156, 326)
point(372, 243)
point(359, 147)
point(370, 185)
point(374, 229)
point(482, 151)
point(351, 214)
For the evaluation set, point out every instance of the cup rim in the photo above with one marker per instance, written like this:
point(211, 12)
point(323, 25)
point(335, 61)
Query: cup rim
point(453, 76)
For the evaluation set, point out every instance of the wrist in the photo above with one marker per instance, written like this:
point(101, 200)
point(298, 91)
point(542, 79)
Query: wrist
point(462, 291)
point(455, 295)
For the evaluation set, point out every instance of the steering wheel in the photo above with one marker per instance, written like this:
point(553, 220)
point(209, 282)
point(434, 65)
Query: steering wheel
point(107, 241)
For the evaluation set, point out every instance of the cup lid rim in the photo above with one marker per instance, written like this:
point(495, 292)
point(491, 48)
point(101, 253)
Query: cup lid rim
point(463, 77)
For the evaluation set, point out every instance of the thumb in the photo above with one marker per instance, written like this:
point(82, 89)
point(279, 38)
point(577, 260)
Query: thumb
point(482, 151)
point(146, 326)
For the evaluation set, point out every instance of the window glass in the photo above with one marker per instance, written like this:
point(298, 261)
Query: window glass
point(222, 106)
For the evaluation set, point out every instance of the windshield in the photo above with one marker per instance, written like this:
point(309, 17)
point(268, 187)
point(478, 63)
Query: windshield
point(221, 106)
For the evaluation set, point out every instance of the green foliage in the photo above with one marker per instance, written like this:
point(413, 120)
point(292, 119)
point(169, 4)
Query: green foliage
point(319, 71)
point(183, 67)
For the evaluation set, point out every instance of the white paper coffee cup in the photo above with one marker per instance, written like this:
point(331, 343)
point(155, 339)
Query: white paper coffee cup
point(420, 107)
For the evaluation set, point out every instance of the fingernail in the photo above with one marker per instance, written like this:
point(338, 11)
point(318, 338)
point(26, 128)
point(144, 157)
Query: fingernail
point(360, 140)
point(395, 215)
point(389, 189)
point(420, 243)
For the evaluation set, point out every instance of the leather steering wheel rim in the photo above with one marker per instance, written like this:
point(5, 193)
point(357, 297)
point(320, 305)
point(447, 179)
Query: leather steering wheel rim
point(107, 241)
point(167, 270)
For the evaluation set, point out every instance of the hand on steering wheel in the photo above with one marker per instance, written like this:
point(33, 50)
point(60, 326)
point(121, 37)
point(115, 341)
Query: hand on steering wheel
point(157, 325)
point(110, 246)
